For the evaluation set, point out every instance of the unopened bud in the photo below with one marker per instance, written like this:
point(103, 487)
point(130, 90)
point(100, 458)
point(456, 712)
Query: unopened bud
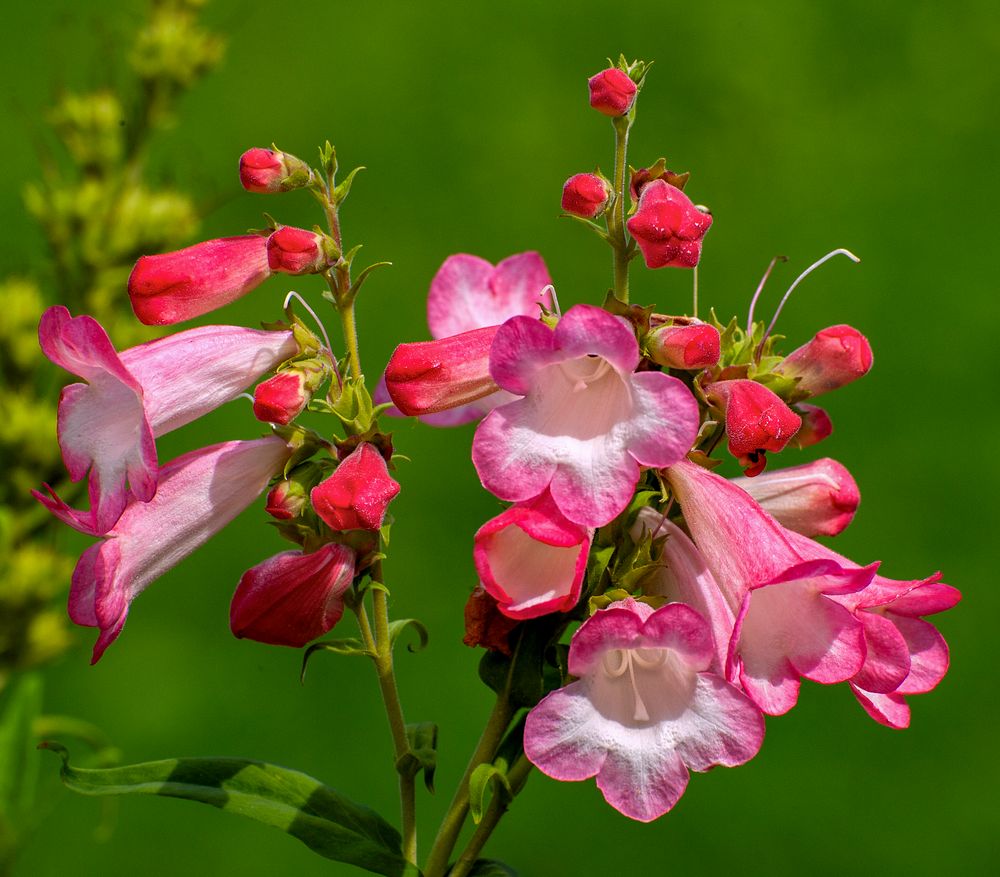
point(668, 227)
point(834, 357)
point(816, 426)
point(612, 92)
point(357, 494)
point(270, 171)
point(585, 195)
point(297, 251)
point(691, 347)
point(284, 396)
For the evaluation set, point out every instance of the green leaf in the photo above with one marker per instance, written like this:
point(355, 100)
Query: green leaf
point(344, 188)
point(422, 737)
point(479, 783)
point(19, 761)
point(320, 817)
point(534, 669)
point(348, 646)
point(491, 868)
point(397, 627)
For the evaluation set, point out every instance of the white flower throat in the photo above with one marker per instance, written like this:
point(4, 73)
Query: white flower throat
point(618, 663)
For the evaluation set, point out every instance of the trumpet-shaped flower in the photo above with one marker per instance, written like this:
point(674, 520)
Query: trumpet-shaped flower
point(586, 422)
point(781, 591)
point(532, 559)
point(107, 425)
point(645, 710)
point(197, 494)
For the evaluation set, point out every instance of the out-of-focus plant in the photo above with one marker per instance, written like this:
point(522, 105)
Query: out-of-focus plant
point(99, 208)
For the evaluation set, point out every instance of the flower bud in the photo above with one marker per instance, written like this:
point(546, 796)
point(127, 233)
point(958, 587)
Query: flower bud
point(612, 92)
point(171, 287)
point(286, 500)
point(585, 195)
point(284, 396)
point(269, 171)
point(297, 251)
point(816, 426)
point(816, 499)
point(834, 357)
point(668, 227)
point(757, 421)
point(428, 376)
point(693, 346)
point(356, 495)
point(292, 598)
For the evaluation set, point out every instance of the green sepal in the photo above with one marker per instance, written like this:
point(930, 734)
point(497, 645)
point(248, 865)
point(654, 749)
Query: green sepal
point(348, 646)
point(367, 583)
point(344, 188)
point(480, 782)
point(397, 627)
point(354, 408)
point(320, 817)
point(637, 315)
point(303, 442)
point(19, 762)
point(422, 754)
point(328, 159)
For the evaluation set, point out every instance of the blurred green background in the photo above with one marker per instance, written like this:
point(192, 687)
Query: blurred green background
point(806, 126)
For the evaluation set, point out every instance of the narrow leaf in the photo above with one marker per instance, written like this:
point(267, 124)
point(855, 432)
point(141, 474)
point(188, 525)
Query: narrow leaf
point(349, 646)
point(18, 758)
point(397, 627)
point(479, 783)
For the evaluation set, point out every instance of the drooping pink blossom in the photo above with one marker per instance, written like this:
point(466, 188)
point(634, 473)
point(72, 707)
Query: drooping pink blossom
point(757, 421)
point(585, 195)
point(586, 422)
point(645, 710)
point(532, 559)
point(814, 499)
point(107, 425)
point(298, 251)
point(831, 359)
point(668, 227)
point(357, 494)
point(292, 598)
point(171, 287)
point(612, 92)
point(197, 494)
point(788, 624)
point(687, 346)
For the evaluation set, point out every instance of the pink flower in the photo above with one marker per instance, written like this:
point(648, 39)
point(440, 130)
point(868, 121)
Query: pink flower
point(816, 426)
point(692, 346)
point(779, 588)
point(197, 494)
point(834, 357)
point(268, 171)
point(586, 423)
point(108, 424)
point(668, 227)
point(757, 421)
point(585, 195)
point(357, 494)
point(297, 251)
point(532, 559)
point(292, 598)
point(645, 710)
point(612, 92)
point(815, 499)
point(448, 383)
point(172, 287)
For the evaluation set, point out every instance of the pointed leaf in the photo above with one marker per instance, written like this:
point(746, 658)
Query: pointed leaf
point(479, 782)
point(422, 755)
point(347, 646)
point(320, 817)
point(397, 627)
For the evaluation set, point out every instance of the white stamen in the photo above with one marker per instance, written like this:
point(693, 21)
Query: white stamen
point(551, 290)
point(326, 338)
point(618, 662)
point(760, 289)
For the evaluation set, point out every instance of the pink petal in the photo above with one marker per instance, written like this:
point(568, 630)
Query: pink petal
point(890, 710)
point(586, 330)
point(928, 655)
point(459, 296)
point(887, 661)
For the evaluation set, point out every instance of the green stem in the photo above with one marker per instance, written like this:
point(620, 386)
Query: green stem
point(517, 776)
point(616, 222)
point(347, 322)
point(458, 810)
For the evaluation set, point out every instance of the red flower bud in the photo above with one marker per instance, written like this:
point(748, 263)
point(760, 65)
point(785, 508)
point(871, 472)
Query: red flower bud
point(286, 500)
point(834, 357)
point(612, 92)
point(585, 195)
point(428, 376)
point(297, 251)
point(171, 287)
point(268, 171)
point(757, 421)
point(668, 227)
point(816, 426)
point(292, 598)
point(281, 398)
point(691, 347)
point(356, 495)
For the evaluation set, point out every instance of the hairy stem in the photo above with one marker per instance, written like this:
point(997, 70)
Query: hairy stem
point(616, 221)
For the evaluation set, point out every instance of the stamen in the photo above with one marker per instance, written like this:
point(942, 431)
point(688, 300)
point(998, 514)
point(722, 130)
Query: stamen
point(326, 338)
point(551, 290)
point(760, 289)
point(618, 662)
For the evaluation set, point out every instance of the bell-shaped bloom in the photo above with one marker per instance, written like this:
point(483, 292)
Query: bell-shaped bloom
point(668, 227)
point(690, 346)
point(108, 424)
point(532, 559)
point(757, 421)
point(832, 358)
point(448, 384)
point(172, 287)
point(816, 426)
point(270, 171)
point(292, 598)
point(644, 712)
point(197, 494)
point(781, 591)
point(814, 499)
point(586, 422)
point(585, 195)
point(298, 251)
point(612, 92)
point(357, 494)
